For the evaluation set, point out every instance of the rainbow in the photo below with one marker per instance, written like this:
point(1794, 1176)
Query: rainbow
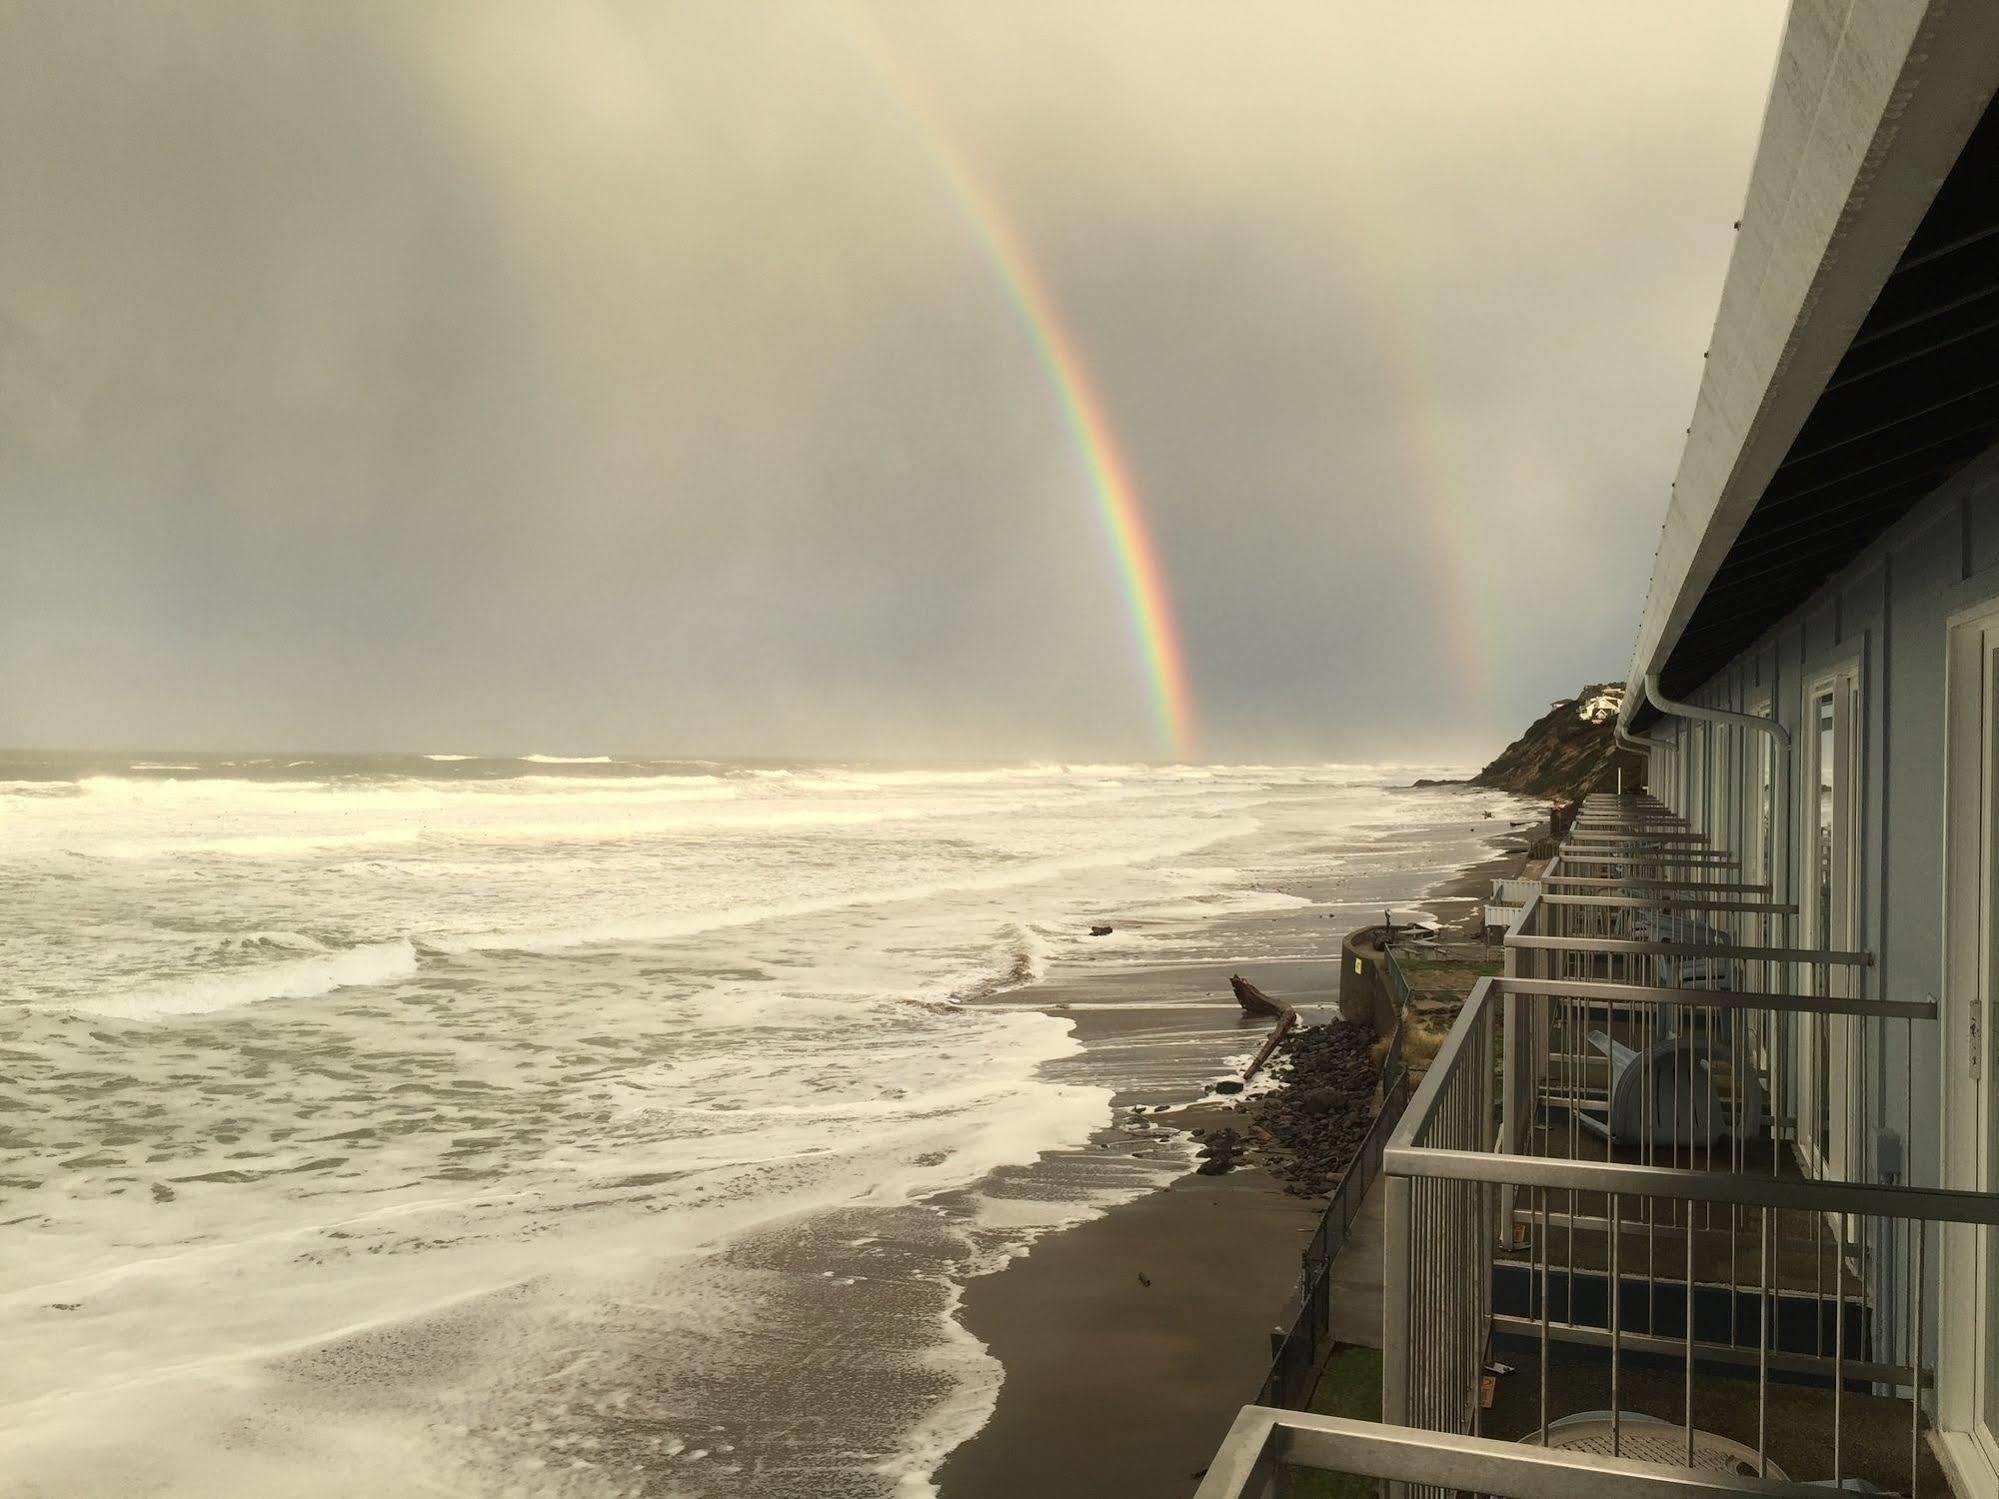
point(1118, 508)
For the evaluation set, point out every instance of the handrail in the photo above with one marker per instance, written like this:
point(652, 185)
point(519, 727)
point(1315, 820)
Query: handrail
point(1261, 1439)
point(1664, 835)
point(1690, 869)
point(1718, 887)
point(1398, 981)
point(1297, 1351)
point(1680, 856)
point(1417, 1115)
point(1404, 1157)
point(1747, 1189)
point(1645, 903)
point(1510, 1117)
point(1776, 1359)
point(1748, 952)
point(1717, 999)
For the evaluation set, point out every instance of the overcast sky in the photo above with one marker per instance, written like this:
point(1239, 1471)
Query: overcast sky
point(626, 376)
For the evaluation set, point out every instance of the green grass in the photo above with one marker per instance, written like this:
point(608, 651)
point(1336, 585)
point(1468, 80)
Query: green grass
point(1452, 978)
point(1349, 1385)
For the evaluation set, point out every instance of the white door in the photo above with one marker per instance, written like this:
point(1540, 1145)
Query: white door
point(1829, 894)
point(1968, 1340)
point(1759, 835)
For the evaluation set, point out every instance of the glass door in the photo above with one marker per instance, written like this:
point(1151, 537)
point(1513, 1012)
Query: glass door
point(1984, 1110)
point(1830, 910)
point(1759, 836)
point(1968, 1345)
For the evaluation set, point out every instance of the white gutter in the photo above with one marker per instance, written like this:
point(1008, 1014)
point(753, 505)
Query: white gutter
point(1665, 704)
point(1638, 744)
point(1780, 790)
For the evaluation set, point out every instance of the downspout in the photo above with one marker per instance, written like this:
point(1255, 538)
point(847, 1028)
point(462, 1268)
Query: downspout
point(1638, 744)
point(1781, 791)
point(1665, 704)
point(1763, 725)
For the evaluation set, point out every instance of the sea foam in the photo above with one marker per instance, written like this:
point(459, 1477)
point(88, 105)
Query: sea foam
point(570, 1115)
point(285, 978)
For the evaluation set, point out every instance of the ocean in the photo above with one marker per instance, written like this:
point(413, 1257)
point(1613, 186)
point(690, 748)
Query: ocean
point(447, 1124)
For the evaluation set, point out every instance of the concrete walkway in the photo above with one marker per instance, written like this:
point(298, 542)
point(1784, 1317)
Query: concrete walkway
point(1358, 1275)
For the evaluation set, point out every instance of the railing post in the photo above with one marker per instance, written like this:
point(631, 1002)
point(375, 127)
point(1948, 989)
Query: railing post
point(1396, 1304)
point(1515, 1066)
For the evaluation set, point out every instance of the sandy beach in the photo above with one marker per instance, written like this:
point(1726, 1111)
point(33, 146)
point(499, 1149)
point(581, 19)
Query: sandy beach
point(1129, 1342)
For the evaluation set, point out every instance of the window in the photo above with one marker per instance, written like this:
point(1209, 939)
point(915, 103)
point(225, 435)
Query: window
point(1829, 896)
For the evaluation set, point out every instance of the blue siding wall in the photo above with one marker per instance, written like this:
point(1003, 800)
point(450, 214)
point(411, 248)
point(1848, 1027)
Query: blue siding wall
point(1889, 608)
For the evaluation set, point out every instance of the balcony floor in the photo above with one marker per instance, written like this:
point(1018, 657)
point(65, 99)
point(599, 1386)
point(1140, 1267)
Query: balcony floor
point(1874, 1429)
point(1726, 1248)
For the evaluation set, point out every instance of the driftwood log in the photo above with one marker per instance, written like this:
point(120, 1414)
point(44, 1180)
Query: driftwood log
point(1255, 1002)
point(1253, 999)
point(1277, 1033)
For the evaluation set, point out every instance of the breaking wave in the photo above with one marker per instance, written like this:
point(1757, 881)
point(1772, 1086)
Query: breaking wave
point(305, 977)
point(574, 1130)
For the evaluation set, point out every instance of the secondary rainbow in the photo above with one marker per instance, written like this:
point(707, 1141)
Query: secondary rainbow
point(1118, 507)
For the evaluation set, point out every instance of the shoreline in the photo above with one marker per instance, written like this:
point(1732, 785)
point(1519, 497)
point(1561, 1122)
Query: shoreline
point(1128, 1342)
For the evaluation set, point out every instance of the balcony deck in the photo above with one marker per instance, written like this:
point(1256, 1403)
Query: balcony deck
point(1760, 1295)
point(1874, 1429)
point(1727, 1237)
point(1775, 1292)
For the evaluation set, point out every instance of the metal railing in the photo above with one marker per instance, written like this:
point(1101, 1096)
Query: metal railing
point(1394, 1066)
point(1439, 1245)
point(1396, 980)
point(1663, 1142)
point(1266, 1448)
point(1590, 1161)
point(1295, 1353)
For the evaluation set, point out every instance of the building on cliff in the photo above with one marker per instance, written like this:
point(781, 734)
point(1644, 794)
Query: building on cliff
point(1713, 1168)
point(1569, 751)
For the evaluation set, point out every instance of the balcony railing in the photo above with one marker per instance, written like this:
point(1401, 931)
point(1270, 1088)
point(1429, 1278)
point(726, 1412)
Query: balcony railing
point(1660, 1164)
point(1664, 1138)
point(1295, 1353)
point(1266, 1451)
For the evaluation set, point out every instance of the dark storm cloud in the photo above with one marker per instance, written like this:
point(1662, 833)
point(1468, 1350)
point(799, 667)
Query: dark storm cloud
point(626, 376)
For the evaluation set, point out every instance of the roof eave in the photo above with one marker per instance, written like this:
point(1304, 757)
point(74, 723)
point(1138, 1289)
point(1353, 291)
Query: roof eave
point(1871, 103)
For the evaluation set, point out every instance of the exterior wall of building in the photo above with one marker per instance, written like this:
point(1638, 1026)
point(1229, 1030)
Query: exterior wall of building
point(1888, 613)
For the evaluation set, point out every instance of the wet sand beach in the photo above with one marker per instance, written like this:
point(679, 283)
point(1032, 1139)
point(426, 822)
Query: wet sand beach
point(1129, 1342)
point(1114, 1386)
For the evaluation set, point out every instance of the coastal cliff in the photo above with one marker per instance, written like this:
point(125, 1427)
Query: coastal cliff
point(1568, 752)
